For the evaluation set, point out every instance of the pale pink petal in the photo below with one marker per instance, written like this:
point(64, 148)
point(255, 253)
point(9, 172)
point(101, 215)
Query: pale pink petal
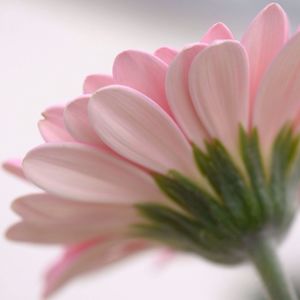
point(51, 220)
point(89, 257)
point(219, 31)
point(53, 133)
point(263, 40)
point(179, 96)
point(94, 82)
point(77, 122)
point(143, 72)
point(83, 173)
point(165, 258)
point(137, 128)
point(279, 93)
point(53, 112)
point(296, 123)
point(48, 209)
point(219, 89)
point(166, 54)
point(14, 166)
point(52, 127)
point(55, 234)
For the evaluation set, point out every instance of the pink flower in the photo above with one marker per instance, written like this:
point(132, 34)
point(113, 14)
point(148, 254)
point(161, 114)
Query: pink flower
point(102, 148)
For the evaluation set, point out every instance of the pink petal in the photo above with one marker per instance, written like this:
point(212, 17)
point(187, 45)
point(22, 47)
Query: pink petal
point(53, 112)
point(296, 123)
point(263, 40)
point(167, 255)
point(166, 54)
point(48, 209)
point(14, 166)
point(219, 31)
point(59, 234)
point(52, 128)
point(94, 82)
point(89, 257)
point(77, 122)
point(83, 173)
point(143, 72)
point(277, 99)
point(179, 96)
point(137, 128)
point(48, 219)
point(219, 90)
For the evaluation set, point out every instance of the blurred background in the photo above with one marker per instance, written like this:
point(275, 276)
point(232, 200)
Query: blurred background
point(46, 50)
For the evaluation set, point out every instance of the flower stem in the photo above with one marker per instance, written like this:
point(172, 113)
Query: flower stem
point(266, 261)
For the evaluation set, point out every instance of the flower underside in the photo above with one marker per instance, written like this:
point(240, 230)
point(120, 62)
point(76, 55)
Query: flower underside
point(251, 198)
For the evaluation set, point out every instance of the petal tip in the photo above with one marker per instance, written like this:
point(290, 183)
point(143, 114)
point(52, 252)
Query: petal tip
point(126, 53)
point(274, 6)
point(14, 167)
point(93, 82)
point(11, 233)
point(217, 31)
point(219, 25)
point(276, 10)
point(15, 205)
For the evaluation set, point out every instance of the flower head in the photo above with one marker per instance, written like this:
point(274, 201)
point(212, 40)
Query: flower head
point(194, 149)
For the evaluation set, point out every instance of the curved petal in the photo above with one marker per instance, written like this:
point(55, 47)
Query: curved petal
point(60, 234)
point(94, 82)
point(166, 54)
point(179, 96)
point(218, 31)
point(52, 127)
point(53, 112)
point(137, 128)
point(89, 257)
point(219, 90)
point(143, 72)
point(48, 209)
point(77, 122)
point(277, 100)
point(83, 173)
point(263, 40)
point(14, 166)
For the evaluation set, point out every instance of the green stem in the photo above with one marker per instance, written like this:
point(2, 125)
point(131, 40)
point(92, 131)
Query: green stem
point(266, 261)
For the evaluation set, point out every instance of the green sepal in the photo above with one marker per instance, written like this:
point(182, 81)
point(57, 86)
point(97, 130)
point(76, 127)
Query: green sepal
point(198, 203)
point(284, 152)
point(252, 158)
point(177, 230)
point(228, 182)
point(166, 235)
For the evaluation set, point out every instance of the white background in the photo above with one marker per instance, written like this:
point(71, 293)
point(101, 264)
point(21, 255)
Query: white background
point(46, 49)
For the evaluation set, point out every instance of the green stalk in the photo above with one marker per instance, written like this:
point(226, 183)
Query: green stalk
point(266, 261)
